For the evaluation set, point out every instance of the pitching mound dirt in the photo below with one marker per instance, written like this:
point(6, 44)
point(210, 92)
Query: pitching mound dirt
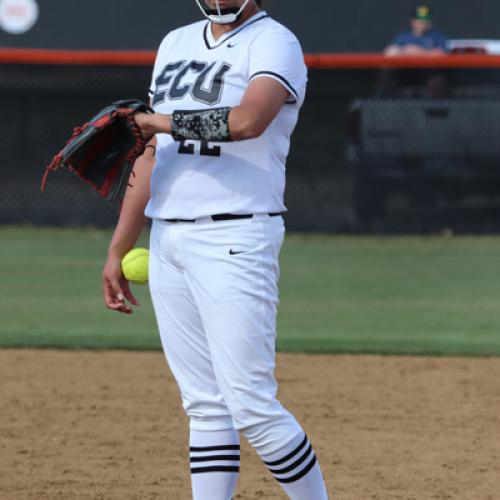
point(109, 425)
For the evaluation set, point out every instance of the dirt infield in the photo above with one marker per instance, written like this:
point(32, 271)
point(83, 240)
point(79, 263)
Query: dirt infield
point(108, 425)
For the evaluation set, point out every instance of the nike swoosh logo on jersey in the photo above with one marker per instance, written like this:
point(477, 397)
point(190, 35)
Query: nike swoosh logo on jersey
point(233, 252)
point(231, 45)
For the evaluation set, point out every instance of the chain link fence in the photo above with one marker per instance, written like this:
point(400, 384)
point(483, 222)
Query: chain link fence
point(374, 151)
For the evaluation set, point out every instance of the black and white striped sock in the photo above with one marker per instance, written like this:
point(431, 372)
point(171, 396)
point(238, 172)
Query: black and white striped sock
point(215, 464)
point(297, 470)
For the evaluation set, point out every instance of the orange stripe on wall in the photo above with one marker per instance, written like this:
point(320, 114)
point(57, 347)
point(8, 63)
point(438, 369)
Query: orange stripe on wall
point(331, 61)
point(77, 57)
point(317, 61)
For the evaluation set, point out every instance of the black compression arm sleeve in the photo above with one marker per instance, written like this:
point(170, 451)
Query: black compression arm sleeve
point(203, 125)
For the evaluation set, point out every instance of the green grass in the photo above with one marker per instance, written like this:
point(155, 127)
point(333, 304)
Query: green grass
point(391, 295)
point(409, 295)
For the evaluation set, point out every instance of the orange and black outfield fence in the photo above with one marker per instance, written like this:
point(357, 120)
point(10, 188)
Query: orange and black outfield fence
point(313, 61)
point(390, 144)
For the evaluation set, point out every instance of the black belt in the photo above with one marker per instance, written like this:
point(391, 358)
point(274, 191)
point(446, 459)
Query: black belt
point(218, 217)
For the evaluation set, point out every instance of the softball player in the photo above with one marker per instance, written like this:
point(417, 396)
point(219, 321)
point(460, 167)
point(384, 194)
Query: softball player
point(226, 93)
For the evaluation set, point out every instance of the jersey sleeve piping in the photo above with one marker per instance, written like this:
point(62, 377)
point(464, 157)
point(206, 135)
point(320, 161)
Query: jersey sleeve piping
point(282, 80)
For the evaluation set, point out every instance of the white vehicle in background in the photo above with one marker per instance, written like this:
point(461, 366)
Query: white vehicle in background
point(469, 46)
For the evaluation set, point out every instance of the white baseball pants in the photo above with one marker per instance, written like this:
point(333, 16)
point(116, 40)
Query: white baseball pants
point(215, 294)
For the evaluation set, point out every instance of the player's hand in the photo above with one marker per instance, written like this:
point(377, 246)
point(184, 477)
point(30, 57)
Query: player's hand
point(115, 287)
point(151, 124)
point(415, 50)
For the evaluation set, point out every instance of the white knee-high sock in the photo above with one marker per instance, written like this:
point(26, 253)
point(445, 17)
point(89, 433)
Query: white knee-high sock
point(215, 464)
point(296, 468)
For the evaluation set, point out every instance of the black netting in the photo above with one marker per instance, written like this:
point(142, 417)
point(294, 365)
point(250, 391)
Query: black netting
point(391, 151)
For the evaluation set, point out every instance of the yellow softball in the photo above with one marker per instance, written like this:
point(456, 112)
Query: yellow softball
point(135, 266)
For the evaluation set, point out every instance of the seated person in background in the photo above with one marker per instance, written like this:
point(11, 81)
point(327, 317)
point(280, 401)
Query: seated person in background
point(421, 39)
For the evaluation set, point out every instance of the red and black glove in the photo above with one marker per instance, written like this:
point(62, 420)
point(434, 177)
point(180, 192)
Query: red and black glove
point(103, 151)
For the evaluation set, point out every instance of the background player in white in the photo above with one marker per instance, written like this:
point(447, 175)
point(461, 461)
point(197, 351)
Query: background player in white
point(226, 93)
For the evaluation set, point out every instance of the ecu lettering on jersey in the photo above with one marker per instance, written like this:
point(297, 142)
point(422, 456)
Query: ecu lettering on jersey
point(203, 80)
point(193, 71)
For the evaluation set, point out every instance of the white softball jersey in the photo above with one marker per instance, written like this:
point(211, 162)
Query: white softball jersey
point(193, 179)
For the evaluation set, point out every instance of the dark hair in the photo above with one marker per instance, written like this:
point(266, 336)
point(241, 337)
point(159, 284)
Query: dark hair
point(259, 2)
